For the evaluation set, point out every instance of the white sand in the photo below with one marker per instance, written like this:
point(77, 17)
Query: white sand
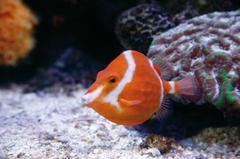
point(56, 125)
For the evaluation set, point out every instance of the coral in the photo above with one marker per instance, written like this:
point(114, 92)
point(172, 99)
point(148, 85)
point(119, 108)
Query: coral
point(187, 13)
point(136, 26)
point(208, 48)
point(16, 31)
point(162, 143)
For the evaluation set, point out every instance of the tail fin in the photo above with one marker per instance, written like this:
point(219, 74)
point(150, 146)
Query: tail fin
point(187, 86)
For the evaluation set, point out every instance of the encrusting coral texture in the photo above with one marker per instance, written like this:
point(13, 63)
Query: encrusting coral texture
point(16, 31)
point(206, 47)
point(136, 26)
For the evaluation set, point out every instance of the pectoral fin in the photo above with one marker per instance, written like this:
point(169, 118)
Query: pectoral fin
point(129, 102)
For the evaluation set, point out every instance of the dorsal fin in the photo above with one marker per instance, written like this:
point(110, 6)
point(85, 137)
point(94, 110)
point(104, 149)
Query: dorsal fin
point(156, 67)
point(166, 69)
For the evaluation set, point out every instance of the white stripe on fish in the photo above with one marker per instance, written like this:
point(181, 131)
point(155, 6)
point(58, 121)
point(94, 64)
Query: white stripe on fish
point(112, 97)
point(172, 85)
point(88, 98)
point(161, 83)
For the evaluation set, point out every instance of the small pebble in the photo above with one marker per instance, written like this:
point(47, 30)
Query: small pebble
point(154, 152)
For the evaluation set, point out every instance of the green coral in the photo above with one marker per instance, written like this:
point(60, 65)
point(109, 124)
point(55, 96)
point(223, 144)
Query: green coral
point(220, 100)
point(210, 95)
point(230, 96)
point(207, 75)
point(218, 54)
point(226, 91)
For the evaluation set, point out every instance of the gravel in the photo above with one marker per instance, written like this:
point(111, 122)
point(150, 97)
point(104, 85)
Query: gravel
point(57, 125)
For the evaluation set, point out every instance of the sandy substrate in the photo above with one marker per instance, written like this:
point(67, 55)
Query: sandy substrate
point(57, 125)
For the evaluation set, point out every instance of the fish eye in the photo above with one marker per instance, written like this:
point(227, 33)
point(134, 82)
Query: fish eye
point(112, 80)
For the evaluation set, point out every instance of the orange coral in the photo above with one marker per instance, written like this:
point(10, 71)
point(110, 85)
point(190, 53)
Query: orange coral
point(17, 23)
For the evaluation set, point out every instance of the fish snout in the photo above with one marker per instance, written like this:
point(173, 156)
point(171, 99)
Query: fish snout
point(91, 96)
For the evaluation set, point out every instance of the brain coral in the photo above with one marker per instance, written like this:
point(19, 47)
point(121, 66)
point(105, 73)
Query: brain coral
point(16, 31)
point(207, 47)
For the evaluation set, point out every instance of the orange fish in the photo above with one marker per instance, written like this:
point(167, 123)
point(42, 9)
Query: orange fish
point(130, 89)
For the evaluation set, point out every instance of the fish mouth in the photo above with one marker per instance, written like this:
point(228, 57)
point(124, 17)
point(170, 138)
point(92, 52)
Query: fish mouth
point(91, 96)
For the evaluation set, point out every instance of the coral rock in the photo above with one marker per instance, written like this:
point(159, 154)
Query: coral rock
point(164, 144)
point(16, 28)
point(206, 47)
point(136, 26)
